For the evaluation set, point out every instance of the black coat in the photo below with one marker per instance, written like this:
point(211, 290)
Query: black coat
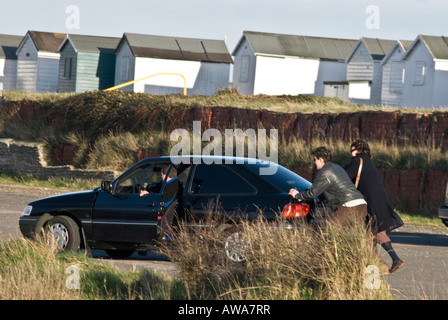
point(380, 208)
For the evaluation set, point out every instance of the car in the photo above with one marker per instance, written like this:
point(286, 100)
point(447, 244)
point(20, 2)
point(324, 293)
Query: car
point(443, 209)
point(117, 219)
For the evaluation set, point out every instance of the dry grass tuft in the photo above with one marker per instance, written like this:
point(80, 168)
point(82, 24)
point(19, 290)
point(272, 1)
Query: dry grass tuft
point(29, 270)
point(302, 263)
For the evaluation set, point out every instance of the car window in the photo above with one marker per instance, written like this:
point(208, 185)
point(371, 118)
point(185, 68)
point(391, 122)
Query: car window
point(218, 179)
point(183, 173)
point(284, 179)
point(142, 177)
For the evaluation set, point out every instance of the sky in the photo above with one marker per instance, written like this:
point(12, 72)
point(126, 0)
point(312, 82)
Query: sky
point(227, 19)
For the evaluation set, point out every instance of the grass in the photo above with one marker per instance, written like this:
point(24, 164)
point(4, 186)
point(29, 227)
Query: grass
point(316, 264)
point(61, 184)
point(282, 103)
point(301, 264)
point(17, 95)
point(32, 270)
point(421, 218)
point(120, 124)
point(403, 156)
point(327, 263)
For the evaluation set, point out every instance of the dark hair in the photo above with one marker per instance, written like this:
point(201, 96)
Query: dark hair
point(173, 171)
point(323, 153)
point(362, 147)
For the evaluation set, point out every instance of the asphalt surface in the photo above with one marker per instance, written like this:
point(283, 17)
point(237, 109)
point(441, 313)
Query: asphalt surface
point(423, 249)
point(425, 253)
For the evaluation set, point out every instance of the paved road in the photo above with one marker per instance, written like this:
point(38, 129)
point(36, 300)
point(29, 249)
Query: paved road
point(424, 250)
point(425, 273)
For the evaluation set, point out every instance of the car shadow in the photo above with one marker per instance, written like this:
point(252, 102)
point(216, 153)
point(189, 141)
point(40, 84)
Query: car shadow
point(419, 239)
point(148, 255)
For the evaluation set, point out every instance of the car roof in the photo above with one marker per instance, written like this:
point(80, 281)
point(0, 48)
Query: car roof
point(195, 159)
point(254, 163)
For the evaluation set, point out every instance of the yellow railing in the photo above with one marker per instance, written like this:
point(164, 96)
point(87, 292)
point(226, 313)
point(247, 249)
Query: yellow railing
point(157, 74)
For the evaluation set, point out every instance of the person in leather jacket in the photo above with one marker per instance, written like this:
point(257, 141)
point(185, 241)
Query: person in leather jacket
point(348, 204)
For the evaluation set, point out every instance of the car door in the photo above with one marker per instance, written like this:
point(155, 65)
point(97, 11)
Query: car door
point(123, 215)
point(215, 189)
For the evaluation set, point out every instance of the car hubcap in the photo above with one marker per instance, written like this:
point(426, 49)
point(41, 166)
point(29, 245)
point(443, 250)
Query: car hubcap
point(60, 235)
point(235, 247)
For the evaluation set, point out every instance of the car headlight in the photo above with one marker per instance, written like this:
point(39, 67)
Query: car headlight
point(27, 210)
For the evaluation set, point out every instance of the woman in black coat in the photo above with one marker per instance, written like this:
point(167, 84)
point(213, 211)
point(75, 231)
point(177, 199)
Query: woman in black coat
point(381, 214)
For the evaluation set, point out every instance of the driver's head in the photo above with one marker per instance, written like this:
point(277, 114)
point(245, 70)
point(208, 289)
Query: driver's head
point(172, 174)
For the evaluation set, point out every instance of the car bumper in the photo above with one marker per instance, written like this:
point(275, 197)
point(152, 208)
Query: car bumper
point(443, 214)
point(28, 226)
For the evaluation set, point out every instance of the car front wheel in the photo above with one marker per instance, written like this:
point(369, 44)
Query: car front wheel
point(63, 233)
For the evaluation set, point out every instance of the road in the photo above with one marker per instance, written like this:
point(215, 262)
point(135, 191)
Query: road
point(425, 274)
point(424, 250)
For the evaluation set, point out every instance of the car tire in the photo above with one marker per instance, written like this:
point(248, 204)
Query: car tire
point(119, 254)
point(65, 233)
point(235, 245)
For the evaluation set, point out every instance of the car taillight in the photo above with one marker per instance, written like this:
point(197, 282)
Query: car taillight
point(295, 210)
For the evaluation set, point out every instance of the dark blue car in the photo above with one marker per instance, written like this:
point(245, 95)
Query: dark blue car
point(116, 218)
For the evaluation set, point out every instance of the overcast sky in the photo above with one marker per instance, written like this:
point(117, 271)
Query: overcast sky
point(220, 19)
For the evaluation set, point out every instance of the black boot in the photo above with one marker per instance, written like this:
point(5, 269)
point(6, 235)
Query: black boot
point(396, 261)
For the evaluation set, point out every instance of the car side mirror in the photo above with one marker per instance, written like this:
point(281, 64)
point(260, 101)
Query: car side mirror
point(106, 186)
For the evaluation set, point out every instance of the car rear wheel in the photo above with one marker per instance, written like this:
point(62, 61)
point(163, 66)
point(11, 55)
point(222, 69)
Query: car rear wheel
point(63, 233)
point(235, 245)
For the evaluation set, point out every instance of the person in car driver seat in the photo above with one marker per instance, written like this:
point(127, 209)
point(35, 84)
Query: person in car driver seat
point(171, 186)
point(170, 195)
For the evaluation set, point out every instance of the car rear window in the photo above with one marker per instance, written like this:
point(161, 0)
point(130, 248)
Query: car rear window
point(284, 179)
point(219, 179)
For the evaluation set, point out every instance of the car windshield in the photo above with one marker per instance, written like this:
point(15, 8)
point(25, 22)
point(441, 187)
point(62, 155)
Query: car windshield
point(141, 177)
point(284, 178)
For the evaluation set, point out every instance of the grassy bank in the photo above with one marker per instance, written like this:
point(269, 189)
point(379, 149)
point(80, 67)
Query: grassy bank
point(302, 264)
point(287, 103)
point(120, 124)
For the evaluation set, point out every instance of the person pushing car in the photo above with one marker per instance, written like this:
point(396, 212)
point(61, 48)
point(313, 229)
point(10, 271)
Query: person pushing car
point(348, 204)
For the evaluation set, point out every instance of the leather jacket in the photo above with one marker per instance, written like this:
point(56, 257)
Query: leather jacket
point(332, 181)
